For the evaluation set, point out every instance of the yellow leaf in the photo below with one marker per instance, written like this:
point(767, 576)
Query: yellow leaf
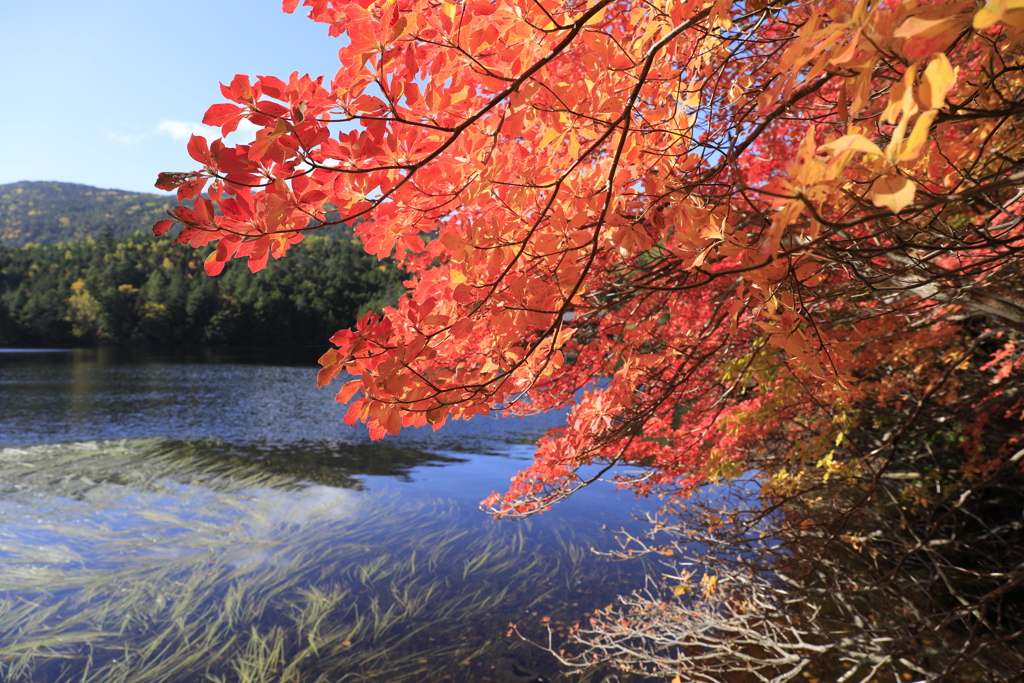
point(549, 136)
point(802, 171)
point(735, 92)
point(989, 15)
point(849, 52)
point(936, 83)
point(896, 142)
point(856, 143)
point(892, 192)
point(912, 148)
point(901, 97)
point(1008, 12)
point(597, 18)
point(860, 87)
point(1014, 16)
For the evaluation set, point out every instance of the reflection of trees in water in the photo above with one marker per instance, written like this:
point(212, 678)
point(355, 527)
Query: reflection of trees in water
point(333, 464)
point(74, 469)
point(158, 562)
point(904, 570)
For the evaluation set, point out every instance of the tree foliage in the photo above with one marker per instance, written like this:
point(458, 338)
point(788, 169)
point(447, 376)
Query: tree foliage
point(142, 291)
point(779, 237)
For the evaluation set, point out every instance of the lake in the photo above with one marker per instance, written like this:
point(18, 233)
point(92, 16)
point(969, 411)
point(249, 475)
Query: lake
point(208, 516)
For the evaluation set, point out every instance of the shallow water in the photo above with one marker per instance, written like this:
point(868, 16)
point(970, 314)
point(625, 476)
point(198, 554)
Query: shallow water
point(210, 517)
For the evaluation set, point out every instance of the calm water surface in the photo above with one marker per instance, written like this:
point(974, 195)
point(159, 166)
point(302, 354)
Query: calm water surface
point(210, 517)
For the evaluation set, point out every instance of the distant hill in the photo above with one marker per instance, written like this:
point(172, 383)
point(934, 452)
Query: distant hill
point(50, 212)
point(44, 212)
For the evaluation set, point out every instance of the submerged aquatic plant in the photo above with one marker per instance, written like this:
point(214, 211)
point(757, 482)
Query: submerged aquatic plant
point(148, 560)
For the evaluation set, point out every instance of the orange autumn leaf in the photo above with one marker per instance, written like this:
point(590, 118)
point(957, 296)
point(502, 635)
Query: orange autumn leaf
point(892, 192)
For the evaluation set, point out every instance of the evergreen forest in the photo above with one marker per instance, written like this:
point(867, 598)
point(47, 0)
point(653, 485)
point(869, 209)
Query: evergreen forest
point(144, 290)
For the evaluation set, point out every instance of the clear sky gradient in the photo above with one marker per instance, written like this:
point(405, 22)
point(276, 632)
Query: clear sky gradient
point(105, 92)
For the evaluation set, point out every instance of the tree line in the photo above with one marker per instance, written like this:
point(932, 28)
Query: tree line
point(141, 290)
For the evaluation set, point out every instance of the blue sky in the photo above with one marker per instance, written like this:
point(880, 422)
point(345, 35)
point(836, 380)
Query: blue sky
point(105, 92)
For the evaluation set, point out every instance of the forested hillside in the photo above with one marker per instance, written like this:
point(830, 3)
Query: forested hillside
point(50, 212)
point(141, 289)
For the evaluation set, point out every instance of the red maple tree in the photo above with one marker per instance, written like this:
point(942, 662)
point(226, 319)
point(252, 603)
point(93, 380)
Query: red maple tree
point(704, 226)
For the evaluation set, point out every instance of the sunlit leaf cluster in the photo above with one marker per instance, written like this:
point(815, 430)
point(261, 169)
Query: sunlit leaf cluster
point(720, 231)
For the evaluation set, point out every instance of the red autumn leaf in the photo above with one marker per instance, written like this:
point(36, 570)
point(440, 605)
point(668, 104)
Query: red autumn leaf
point(190, 189)
point(171, 181)
point(274, 87)
point(226, 116)
point(483, 7)
point(187, 216)
point(213, 266)
point(925, 37)
point(161, 227)
point(240, 90)
point(199, 150)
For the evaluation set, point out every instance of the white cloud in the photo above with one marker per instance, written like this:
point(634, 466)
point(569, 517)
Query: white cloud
point(247, 129)
point(183, 130)
point(123, 139)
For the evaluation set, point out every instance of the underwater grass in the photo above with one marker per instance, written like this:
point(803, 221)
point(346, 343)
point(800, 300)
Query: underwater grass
point(150, 561)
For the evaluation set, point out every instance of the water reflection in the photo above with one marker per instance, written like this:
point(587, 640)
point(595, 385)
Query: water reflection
point(108, 394)
point(332, 463)
point(145, 560)
point(181, 518)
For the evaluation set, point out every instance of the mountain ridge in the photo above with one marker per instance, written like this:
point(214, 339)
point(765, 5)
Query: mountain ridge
point(48, 212)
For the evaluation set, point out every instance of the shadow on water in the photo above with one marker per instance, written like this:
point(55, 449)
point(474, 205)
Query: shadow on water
point(332, 464)
point(153, 560)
